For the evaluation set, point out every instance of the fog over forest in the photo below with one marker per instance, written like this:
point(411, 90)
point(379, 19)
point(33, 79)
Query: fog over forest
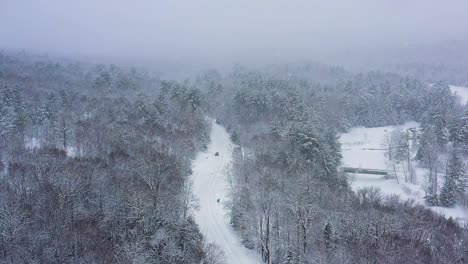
point(223, 31)
point(234, 131)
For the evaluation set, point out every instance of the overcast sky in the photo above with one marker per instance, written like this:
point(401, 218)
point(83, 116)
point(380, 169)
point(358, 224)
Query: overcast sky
point(224, 28)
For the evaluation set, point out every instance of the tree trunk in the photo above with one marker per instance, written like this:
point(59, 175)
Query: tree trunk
point(267, 238)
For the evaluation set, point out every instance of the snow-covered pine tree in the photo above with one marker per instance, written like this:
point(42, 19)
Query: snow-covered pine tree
point(455, 181)
point(328, 234)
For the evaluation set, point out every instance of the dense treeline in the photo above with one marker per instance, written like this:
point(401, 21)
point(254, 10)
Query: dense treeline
point(344, 99)
point(455, 73)
point(95, 166)
point(289, 200)
point(444, 147)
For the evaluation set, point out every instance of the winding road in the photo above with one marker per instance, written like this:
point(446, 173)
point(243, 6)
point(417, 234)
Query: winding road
point(209, 184)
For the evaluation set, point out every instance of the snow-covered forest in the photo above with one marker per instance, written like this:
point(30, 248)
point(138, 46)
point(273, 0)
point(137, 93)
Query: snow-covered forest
point(121, 195)
point(234, 132)
point(99, 171)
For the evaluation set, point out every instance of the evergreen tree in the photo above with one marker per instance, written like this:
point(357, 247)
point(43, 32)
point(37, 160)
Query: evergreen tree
point(194, 98)
point(328, 234)
point(455, 181)
point(448, 195)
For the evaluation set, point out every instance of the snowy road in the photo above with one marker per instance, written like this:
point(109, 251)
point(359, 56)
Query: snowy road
point(209, 184)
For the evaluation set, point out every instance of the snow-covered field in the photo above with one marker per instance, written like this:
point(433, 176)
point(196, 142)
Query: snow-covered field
point(461, 92)
point(366, 148)
point(209, 184)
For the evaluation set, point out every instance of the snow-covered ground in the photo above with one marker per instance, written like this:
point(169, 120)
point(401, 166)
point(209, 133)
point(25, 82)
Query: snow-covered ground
point(461, 92)
point(366, 148)
point(209, 184)
point(34, 143)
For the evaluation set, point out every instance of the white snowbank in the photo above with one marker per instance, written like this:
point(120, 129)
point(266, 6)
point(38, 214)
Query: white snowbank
point(209, 184)
point(461, 93)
